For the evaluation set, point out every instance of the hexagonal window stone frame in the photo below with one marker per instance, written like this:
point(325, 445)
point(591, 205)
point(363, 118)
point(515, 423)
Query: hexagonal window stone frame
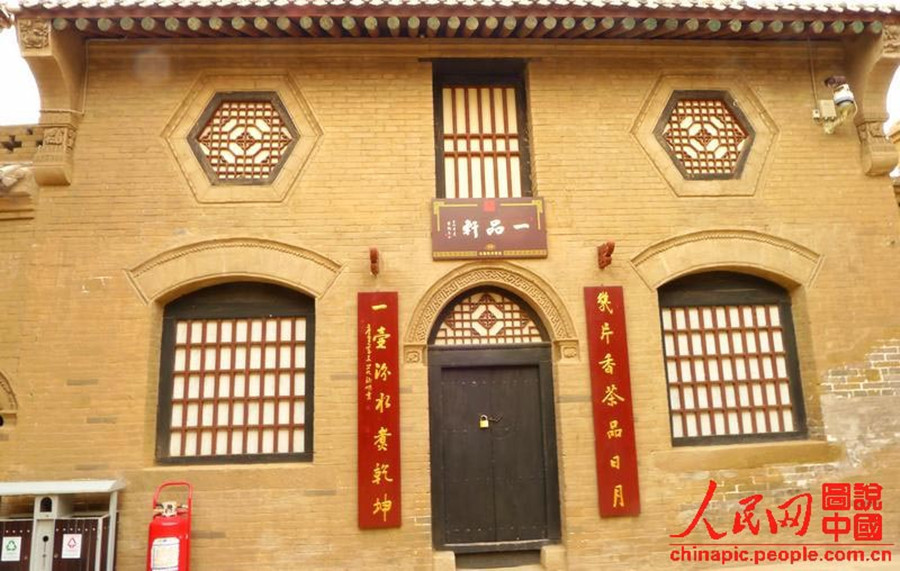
point(204, 98)
point(751, 165)
point(243, 138)
point(706, 134)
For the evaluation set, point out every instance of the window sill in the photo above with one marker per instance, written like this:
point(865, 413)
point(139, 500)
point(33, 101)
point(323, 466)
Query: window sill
point(227, 467)
point(740, 456)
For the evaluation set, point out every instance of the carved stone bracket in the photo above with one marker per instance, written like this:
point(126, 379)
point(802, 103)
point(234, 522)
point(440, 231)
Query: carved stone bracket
point(871, 62)
point(56, 59)
point(53, 160)
point(876, 153)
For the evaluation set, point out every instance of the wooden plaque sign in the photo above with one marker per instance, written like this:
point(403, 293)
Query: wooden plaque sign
point(617, 476)
point(466, 229)
point(378, 436)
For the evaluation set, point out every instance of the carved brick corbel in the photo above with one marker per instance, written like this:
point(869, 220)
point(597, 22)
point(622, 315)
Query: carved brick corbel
point(56, 59)
point(871, 62)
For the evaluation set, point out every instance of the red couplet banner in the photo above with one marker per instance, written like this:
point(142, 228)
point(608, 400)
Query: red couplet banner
point(617, 475)
point(378, 436)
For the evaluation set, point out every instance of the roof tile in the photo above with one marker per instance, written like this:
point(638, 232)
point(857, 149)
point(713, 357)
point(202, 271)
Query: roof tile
point(825, 7)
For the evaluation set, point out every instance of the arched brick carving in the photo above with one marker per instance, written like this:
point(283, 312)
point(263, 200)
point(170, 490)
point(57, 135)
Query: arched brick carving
point(782, 261)
point(206, 263)
point(527, 285)
point(9, 406)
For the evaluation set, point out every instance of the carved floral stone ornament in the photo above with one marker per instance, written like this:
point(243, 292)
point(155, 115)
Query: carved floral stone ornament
point(34, 34)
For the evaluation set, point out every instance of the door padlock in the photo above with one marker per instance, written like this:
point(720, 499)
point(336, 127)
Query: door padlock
point(483, 421)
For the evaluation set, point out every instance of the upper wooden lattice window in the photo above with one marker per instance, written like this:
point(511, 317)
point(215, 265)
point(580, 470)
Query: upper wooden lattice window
point(243, 138)
point(481, 130)
point(487, 317)
point(706, 134)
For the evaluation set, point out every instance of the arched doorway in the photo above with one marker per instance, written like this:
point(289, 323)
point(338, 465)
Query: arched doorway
point(495, 485)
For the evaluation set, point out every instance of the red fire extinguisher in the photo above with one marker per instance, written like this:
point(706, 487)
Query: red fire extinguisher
point(169, 545)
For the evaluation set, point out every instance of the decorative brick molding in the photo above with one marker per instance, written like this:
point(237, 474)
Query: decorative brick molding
point(197, 101)
point(753, 115)
point(527, 285)
point(782, 261)
point(201, 264)
point(18, 144)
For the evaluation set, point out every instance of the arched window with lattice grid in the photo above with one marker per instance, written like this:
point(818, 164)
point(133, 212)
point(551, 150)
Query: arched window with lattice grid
point(488, 316)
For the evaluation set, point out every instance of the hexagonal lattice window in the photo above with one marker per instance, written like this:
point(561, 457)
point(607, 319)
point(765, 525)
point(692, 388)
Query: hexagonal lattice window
point(705, 134)
point(243, 138)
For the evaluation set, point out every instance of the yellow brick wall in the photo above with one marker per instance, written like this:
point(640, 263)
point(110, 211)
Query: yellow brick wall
point(81, 348)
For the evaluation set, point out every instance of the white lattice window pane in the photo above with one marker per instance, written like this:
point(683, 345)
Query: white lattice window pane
point(205, 443)
point(299, 440)
point(677, 431)
point(221, 443)
point(175, 444)
point(691, 421)
point(705, 425)
point(190, 444)
point(688, 399)
point(252, 441)
point(674, 399)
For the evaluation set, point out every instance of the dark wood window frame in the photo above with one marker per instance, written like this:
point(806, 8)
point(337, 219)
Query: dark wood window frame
point(237, 300)
point(734, 289)
point(240, 96)
point(730, 103)
point(482, 72)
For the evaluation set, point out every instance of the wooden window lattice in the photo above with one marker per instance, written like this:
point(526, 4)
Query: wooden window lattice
point(705, 137)
point(238, 387)
point(487, 318)
point(481, 142)
point(727, 371)
point(245, 140)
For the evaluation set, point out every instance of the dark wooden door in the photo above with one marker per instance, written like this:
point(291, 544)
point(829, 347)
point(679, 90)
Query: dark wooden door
point(495, 488)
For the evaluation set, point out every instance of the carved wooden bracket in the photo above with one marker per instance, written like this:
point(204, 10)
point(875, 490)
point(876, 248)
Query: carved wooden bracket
point(871, 61)
point(56, 58)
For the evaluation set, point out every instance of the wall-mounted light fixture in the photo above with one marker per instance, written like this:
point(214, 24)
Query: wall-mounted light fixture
point(830, 113)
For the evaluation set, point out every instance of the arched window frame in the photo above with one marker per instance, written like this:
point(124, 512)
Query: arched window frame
point(451, 307)
point(728, 289)
point(240, 301)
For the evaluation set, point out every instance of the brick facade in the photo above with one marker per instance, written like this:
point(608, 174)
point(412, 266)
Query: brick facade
point(88, 276)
